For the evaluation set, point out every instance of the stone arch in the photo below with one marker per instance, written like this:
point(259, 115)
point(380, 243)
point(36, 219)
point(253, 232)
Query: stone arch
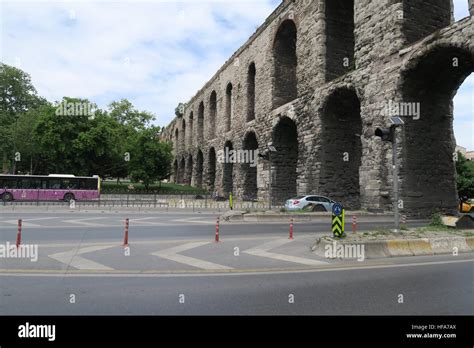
point(183, 138)
point(427, 172)
point(340, 38)
point(285, 82)
point(189, 170)
point(181, 170)
point(199, 169)
point(176, 143)
point(228, 106)
point(422, 18)
point(201, 122)
point(251, 74)
point(211, 169)
point(191, 129)
point(228, 171)
point(284, 162)
point(341, 147)
point(212, 114)
point(250, 189)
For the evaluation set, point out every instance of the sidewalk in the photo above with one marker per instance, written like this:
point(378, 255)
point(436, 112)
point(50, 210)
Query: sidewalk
point(409, 243)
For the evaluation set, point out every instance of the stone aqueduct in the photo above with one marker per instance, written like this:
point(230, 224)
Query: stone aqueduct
point(314, 80)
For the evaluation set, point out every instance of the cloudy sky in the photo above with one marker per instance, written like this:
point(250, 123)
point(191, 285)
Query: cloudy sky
point(155, 53)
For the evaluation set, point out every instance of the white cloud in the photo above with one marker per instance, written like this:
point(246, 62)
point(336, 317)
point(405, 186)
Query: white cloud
point(155, 53)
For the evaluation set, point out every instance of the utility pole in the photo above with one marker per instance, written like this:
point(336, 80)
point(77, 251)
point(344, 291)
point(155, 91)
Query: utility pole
point(396, 193)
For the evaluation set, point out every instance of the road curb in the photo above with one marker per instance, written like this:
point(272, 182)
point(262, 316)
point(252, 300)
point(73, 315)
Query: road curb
point(249, 217)
point(399, 247)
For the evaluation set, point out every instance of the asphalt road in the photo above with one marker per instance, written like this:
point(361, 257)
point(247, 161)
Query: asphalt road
point(429, 286)
point(173, 254)
point(93, 227)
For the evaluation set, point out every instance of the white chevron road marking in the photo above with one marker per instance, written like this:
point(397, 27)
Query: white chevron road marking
point(172, 254)
point(25, 222)
point(72, 258)
point(263, 251)
point(84, 222)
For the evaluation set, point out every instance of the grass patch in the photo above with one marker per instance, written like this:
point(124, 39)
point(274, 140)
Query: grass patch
point(109, 187)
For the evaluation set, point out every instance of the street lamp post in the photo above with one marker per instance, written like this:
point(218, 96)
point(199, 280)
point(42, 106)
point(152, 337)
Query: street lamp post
point(390, 135)
point(267, 156)
point(269, 181)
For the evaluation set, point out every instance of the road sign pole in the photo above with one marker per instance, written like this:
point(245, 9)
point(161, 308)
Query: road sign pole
point(269, 181)
point(395, 181)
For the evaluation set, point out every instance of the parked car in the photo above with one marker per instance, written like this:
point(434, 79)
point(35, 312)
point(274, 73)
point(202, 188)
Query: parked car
point(310, 202)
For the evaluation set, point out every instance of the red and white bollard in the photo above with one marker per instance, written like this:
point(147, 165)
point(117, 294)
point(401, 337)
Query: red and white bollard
point(354, 224)
point(217, 230)
point(404, 220)
point(291, 228)
point(18, 235)
point(125, 238)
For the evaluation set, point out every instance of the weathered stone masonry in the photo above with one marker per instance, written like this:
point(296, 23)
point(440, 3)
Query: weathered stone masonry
point(314, 80)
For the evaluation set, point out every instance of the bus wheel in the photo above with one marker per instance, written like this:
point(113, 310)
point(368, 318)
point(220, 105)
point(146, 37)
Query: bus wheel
point(68, 197)
point(7, 197)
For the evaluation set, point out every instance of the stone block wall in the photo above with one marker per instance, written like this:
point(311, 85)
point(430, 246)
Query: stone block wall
point(320, 109)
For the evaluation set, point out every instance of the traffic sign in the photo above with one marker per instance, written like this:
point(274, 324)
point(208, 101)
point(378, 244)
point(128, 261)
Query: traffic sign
point(337, 209)
point(338, 223)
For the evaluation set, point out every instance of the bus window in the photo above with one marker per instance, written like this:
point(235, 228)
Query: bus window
point(54, 184)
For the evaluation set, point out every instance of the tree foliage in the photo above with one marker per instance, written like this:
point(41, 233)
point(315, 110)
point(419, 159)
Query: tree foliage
point(465, 176)
point(115, 143)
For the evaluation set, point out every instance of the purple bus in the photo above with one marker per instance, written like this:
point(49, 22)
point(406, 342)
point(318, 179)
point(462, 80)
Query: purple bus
point(54, 187)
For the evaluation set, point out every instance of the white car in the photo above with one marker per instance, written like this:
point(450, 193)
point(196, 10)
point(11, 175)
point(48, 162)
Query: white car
point(318, 203)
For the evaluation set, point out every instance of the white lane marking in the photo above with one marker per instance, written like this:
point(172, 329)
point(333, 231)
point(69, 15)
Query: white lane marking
point(25, 222)
point(262, 251)
point(85, 223)
point(36, 273)
point(194, 221)
point(73, 259)
point(142, 221)
point(172, 254)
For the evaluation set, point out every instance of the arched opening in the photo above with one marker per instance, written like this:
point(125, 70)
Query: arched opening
point(228, 107)
point(284, 161)
point(199, 168)
point(285, 83)
point(175, 168)
point(228, 171)
point(340, 39)
point(212, 114)
point(182, 166)
point(341, 148)
point(462, 9)
point(251, 92)
point(428, 173)
point(183, 139)
point(211, 169)
point(176, 140)
point(201, 122)
point(189, 170)
point(191, 129)
point(250, 144)
point(421, 18)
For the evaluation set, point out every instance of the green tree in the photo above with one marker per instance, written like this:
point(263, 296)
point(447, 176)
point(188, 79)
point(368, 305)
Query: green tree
point(125, 113)
point(150, 158)
point(465, 176)
point(17, 96)
point(57, 136)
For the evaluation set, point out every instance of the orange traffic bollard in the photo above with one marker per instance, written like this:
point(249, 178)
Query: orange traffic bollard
point(18, 235)
point(217, 230)
point(291, 228)
point(125, 239)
